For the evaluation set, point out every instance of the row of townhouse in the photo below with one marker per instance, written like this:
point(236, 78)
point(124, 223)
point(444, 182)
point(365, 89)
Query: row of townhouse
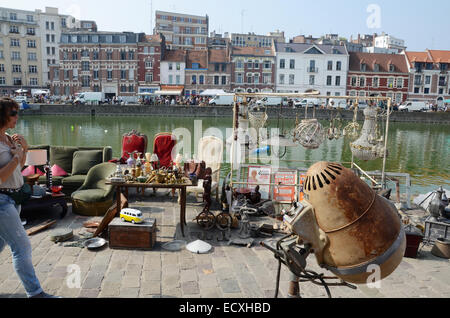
point(50, 50)
point(129, 64)
point(29, 44)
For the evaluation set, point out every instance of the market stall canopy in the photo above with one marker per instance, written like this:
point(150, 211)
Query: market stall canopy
point(40, 92)
point(20, 91)
point(145, 94)
point(212, 92)
point(171, 92)
point(447, 101)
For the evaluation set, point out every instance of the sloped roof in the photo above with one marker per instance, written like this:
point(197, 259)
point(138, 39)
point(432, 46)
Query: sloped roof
point(174, 56)
point(383, 60)
point(199, 57)
point(252, 51)
point(218, 56)
point(440, 56)
point(304, 47)
point(153, 38)
point(423, 57)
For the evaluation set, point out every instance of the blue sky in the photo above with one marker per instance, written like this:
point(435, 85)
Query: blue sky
point(420, 24)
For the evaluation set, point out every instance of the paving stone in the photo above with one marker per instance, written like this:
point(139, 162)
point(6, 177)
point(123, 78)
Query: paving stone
point(190, 288)
point(110, 289)
point(151, 275)
point(230, 286)
point(131, 281)
point(89, 293)
point(93, 281)
point(129, 292)
point(171, 293)
point(210, 292)
point(151, 288)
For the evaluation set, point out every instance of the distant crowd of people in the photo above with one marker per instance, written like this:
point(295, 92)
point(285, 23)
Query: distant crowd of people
point(176, 100)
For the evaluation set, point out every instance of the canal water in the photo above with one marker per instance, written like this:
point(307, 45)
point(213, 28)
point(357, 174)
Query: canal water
point(422, 150)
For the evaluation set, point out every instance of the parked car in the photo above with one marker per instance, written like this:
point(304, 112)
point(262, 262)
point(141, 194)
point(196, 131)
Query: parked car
point(21, 99)
point(413, 107)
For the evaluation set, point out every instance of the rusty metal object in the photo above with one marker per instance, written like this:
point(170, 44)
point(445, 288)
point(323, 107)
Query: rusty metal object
point(361, 227)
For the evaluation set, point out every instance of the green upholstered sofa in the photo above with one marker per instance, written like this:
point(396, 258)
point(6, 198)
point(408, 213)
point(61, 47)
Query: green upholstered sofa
point(76, 161)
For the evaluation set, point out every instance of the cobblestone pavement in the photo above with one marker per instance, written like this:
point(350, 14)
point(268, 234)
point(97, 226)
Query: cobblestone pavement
point(229, 271)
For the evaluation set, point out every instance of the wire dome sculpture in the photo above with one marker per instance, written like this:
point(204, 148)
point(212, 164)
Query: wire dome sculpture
point(309, 132)
point(369, 145)
point(257, 117)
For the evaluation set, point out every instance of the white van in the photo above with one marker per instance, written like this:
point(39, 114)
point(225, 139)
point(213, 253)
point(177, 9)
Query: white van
point(308, 101)
point(222, 99)
point(271, 101)
point(413, 107)
point(93, 98)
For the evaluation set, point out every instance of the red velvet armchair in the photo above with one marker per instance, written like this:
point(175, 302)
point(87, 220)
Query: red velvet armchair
point(132, 141)
point(163, 145)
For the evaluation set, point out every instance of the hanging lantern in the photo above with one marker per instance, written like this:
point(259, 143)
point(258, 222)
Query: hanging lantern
point(369, 145)
point(309, 133)
point(257, 118)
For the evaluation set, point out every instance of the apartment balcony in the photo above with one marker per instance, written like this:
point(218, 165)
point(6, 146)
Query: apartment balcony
point(21, 21)
point(313, 70)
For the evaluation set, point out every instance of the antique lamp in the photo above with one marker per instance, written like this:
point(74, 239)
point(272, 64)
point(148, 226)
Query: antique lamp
point(154, 160)
point(38, 157)
point(352, 231)
point(368, 146)
point(349, 227)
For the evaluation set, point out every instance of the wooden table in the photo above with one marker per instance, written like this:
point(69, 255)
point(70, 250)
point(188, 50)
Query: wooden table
point(181, 187)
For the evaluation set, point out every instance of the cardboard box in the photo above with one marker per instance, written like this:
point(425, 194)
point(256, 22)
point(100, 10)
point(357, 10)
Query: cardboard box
point(125, 235)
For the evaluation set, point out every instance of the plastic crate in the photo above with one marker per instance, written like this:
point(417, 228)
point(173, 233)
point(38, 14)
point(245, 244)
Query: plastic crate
point(436, 229)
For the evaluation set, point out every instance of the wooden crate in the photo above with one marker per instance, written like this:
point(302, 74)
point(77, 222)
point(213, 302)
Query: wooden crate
point(436, 229)
point(125, 235)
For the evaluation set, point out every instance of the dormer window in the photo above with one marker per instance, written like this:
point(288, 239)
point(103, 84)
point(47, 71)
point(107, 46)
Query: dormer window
point(391, 68)
point(376, 67)
point(363, 67)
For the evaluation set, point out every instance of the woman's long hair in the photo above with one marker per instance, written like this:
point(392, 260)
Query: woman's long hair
point(6, 105)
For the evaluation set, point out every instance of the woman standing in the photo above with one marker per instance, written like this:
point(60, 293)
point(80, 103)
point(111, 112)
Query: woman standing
point(13, 150)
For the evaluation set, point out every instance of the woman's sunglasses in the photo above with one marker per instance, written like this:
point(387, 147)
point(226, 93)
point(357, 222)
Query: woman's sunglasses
point(13, 113)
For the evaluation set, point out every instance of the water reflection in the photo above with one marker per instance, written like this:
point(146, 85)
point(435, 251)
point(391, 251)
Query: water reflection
point(422, 150)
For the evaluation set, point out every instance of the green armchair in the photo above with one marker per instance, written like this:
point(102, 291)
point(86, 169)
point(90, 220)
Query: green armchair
point(95, 197)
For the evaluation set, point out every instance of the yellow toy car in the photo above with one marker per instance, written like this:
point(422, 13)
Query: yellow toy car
point(131, 215)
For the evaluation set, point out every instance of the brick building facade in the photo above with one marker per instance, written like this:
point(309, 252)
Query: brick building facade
point(150, 51)
point(252, 69)
point(372, 74)
point(99, 62)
